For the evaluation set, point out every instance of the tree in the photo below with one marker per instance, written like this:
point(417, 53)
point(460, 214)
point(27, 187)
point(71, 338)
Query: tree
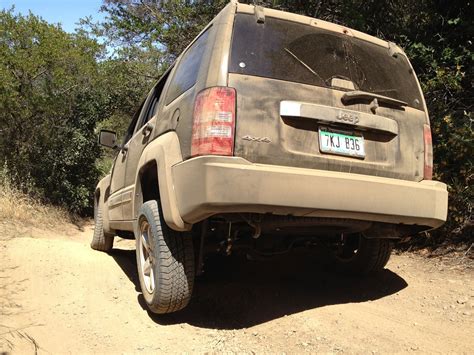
point(150, 24)
point(49, 106)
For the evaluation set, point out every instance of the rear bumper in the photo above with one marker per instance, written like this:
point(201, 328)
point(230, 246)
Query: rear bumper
point(209, 185)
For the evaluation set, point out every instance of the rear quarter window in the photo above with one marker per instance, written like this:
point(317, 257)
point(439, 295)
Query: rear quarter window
point(187, 70)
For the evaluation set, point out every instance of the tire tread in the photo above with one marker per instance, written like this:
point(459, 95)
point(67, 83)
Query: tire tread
point(101, 241)
point(175, 263)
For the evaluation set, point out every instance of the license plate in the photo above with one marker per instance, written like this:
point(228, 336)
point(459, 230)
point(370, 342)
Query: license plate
point(341, 144)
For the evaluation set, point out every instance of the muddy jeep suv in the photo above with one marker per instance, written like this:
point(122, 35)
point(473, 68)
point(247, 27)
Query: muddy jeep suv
point(271, 131)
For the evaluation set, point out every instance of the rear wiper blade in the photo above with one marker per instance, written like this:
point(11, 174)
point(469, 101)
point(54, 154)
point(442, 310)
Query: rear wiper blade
point(358, 95)
point(303, 63)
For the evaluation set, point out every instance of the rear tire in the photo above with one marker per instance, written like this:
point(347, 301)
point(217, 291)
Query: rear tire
point(101, 241)
point(362, 256)
point(165, 261)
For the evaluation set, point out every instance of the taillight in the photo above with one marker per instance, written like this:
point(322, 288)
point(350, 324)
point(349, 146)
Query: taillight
point(214, 122)
point(428, 170)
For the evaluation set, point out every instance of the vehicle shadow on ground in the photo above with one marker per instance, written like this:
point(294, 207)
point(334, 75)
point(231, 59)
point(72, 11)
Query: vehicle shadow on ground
point(236, 293)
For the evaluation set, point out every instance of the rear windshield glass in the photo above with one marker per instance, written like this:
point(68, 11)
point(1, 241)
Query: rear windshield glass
point(301, 53)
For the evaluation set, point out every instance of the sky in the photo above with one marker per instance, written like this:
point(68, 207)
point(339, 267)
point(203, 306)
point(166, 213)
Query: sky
point(66, 12)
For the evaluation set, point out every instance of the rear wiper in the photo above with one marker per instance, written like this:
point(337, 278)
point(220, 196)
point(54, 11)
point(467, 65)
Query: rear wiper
point(358, 95)
point(303, 64)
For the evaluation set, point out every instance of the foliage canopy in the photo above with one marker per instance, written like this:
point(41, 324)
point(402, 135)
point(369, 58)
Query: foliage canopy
point(49, 106)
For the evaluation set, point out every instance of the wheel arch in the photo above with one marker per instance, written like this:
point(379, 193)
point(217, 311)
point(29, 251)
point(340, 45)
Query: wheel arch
point(147, 186)
point(154, 179)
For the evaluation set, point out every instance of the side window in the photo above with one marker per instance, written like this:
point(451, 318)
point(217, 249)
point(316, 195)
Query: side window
point(132, 125)
point(150, 110)
point(152, 105)
point(188, 68)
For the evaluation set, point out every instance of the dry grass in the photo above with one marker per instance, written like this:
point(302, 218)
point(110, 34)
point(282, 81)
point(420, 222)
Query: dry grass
point(19, 208)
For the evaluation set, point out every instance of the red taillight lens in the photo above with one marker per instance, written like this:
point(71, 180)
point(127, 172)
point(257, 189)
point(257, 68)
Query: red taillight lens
point(214, 122)
point(428, 171)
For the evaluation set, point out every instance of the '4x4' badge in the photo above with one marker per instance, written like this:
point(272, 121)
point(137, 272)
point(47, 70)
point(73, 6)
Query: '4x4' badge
point(257, 139)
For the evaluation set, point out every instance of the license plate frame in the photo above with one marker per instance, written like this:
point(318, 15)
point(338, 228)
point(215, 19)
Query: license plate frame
point(349, 144)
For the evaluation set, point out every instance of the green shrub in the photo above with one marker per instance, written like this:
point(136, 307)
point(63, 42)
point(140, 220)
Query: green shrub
point(49, 106)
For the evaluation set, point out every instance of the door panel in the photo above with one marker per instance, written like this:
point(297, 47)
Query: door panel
point(136, 146)
point(141, 137)
point(115, 206)
point(117, 182)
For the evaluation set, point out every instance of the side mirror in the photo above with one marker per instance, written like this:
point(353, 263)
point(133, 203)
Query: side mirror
point(108, 138)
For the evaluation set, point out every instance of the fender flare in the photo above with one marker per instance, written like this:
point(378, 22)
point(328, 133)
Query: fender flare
point(166, 152)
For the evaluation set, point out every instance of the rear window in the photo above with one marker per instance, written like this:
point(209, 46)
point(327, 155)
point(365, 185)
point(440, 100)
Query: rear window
point(301, 53)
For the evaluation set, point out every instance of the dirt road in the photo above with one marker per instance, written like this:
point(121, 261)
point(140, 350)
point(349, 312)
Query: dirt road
point(59, 296)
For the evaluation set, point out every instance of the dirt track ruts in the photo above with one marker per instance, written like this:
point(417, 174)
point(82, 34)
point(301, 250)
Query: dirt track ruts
point(60, 296)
